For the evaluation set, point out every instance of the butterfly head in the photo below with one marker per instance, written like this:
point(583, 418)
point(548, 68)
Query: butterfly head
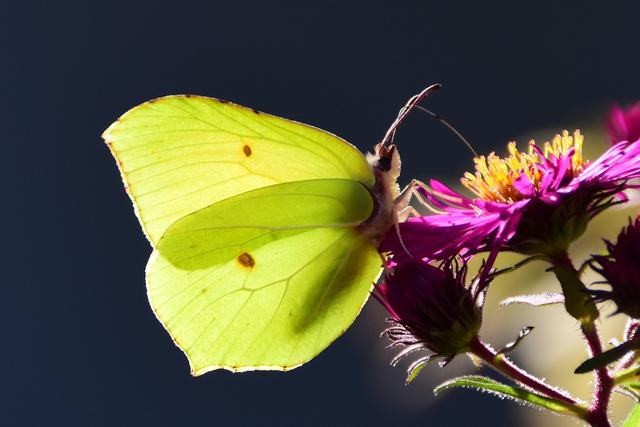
point(386, 160)
point(385, 164)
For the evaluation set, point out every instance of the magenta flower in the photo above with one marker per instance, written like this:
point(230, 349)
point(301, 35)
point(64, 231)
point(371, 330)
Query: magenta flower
point(536, 202)
point(621, 270)
point(431, 309)
point(624, 124)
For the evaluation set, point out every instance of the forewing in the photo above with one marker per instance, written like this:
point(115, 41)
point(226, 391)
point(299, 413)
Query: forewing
point(272, 300)
point(179, 154)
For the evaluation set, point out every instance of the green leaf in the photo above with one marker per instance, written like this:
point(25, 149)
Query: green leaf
point(633, 420)
point(606, 358)
point(518, 394)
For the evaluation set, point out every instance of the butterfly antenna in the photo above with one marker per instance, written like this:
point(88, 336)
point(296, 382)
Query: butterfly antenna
point(410, 105)
point(450, 126)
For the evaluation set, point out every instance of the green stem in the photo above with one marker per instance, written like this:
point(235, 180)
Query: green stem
point(577, 301)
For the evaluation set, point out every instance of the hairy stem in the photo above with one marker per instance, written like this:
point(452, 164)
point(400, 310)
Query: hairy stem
point(581, 307)
point(603, 381)
point(503, 365)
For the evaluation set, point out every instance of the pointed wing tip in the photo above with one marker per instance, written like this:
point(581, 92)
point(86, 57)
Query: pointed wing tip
point(106, 134)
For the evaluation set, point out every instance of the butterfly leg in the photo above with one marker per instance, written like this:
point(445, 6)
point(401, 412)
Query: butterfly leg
point(408, 212)
point(404, 210)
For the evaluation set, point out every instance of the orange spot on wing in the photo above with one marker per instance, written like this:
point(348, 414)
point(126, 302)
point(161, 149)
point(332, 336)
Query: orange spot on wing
point(246, 260)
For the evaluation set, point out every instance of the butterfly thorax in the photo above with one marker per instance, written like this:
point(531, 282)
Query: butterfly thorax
point(385, 165)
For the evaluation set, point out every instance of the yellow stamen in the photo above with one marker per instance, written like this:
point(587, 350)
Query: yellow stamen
point(495, 176)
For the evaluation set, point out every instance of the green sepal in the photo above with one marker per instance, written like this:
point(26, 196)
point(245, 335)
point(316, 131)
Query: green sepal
point(416, 367)
point(518, 394)
point(552, 229)
point(413, 373)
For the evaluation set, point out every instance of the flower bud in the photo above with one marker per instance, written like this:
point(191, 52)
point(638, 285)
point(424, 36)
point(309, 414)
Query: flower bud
point(624, 124)
point(621, 270)
point(548, 229)
point(431, 308)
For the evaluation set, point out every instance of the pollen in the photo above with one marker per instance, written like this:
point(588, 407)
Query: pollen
point(495, 177)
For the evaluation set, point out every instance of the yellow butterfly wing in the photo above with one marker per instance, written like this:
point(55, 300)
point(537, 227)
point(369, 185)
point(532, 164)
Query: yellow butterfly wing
point(179, 154)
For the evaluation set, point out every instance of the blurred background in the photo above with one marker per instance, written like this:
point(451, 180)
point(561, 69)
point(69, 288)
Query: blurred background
point(80, 343)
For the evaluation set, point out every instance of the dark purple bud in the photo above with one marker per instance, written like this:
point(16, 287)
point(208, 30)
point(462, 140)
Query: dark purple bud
point(430, 308)
point(621, 270)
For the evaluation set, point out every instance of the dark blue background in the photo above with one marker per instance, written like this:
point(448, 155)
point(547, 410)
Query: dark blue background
point(80, 345)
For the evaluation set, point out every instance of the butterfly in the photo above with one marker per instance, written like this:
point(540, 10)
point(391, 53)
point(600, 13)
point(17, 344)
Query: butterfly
point(264, 230)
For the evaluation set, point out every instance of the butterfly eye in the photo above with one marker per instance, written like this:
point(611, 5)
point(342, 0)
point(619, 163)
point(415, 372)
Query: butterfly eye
point(384, 164)
point(385, 155)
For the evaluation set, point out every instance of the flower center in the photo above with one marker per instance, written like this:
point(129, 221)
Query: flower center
point(495, 176)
